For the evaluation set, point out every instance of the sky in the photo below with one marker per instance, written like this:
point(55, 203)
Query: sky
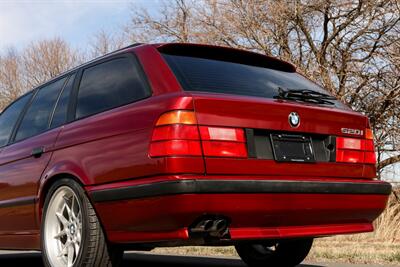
point(23, 22)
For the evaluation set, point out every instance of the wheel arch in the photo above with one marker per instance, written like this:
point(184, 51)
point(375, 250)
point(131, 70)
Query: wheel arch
point(45, 186)
point(63, 169)
point(53, 172)
point(73, 182)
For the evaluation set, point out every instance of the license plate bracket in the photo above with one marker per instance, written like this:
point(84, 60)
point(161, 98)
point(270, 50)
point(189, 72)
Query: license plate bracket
point(292, 148)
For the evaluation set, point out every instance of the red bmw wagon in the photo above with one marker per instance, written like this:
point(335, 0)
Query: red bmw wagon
point(183, 144)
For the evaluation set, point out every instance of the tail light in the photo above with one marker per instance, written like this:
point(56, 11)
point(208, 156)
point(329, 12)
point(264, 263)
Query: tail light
point(352, 150)
point(223, 142)
point(370, 156)
point(177, 134)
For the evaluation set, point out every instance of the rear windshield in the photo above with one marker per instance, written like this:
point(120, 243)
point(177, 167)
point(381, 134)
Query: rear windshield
point(217, 76)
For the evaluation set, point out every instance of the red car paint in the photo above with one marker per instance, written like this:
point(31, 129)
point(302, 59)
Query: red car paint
point(110, 150)
point(258, 215)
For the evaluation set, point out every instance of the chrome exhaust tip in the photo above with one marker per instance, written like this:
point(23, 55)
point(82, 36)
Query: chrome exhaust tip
point(212, 227)
point(203, 226)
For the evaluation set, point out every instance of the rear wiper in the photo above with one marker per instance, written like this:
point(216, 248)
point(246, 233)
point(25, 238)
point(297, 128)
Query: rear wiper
point(305, 95)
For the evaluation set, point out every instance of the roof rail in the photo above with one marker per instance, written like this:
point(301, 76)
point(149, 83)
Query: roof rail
point(80, 66)
point(120, 49)
point(110, 53)
point(97, 58)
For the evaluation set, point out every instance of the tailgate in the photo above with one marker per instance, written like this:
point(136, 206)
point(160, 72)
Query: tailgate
point(268, 133)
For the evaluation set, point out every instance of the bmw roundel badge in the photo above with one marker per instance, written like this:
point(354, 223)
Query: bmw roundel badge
point(294, 119)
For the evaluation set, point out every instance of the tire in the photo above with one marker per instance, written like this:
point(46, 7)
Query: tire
point(71, 234)
point(286, 253)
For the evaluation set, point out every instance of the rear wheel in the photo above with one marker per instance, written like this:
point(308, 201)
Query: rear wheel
point(286, 253)
point(71, 234)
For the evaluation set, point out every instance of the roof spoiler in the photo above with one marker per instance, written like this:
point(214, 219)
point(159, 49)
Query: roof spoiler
point(225, 54)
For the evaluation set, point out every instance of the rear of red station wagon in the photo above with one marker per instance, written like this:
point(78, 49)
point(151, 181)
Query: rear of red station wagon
point(183, 144)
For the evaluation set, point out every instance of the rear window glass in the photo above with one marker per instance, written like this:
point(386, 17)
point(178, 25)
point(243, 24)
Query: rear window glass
point(111, 84)
point(217, 76)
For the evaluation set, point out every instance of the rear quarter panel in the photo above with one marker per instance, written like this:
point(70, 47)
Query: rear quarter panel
point(113, 145)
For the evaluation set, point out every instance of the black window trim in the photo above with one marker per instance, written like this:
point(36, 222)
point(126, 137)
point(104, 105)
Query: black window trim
point(35, 91)
point(70, 76)
point(78, 78)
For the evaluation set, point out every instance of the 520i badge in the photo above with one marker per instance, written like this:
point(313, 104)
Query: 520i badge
point(352, 131)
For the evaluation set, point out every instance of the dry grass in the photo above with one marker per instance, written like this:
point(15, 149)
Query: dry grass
point(380, 247)
point(388, 224)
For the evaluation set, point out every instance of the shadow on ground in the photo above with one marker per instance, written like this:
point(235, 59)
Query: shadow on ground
point(133, 259)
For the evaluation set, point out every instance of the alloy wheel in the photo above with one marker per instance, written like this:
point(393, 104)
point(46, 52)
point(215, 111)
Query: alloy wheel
point(63, 228)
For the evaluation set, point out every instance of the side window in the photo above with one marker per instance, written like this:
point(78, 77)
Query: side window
point(60, 113)
point(9, 117)
point(109, 85)
point(36, 118)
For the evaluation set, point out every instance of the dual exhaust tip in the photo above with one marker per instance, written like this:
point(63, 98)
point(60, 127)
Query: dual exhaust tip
point(217, 228)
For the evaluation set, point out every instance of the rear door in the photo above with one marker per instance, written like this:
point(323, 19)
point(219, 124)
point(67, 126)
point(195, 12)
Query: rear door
point(24, 159)
point(104, 123)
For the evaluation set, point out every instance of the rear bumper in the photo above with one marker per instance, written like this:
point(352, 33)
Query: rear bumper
point(257, 209)
point(239, 187)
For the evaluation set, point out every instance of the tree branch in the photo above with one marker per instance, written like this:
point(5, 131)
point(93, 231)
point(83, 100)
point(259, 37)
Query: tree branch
point(388, 161)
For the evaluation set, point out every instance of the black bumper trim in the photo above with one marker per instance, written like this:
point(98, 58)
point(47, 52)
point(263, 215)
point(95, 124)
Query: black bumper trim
point(239, 187)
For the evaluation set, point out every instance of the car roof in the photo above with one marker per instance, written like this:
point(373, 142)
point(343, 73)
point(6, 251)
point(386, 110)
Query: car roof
point(163, 47)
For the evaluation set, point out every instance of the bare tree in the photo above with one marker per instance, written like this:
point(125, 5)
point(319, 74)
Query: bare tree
point(349, 47)
point(11, 78)
point(46, 59)
point(105, 42)
point(387, 116)
point(175, 22)
point(36, 64)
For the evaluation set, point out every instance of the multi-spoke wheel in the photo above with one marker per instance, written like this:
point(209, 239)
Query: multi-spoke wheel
point(63, 226)
point(286, 253)
point(71, 233)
